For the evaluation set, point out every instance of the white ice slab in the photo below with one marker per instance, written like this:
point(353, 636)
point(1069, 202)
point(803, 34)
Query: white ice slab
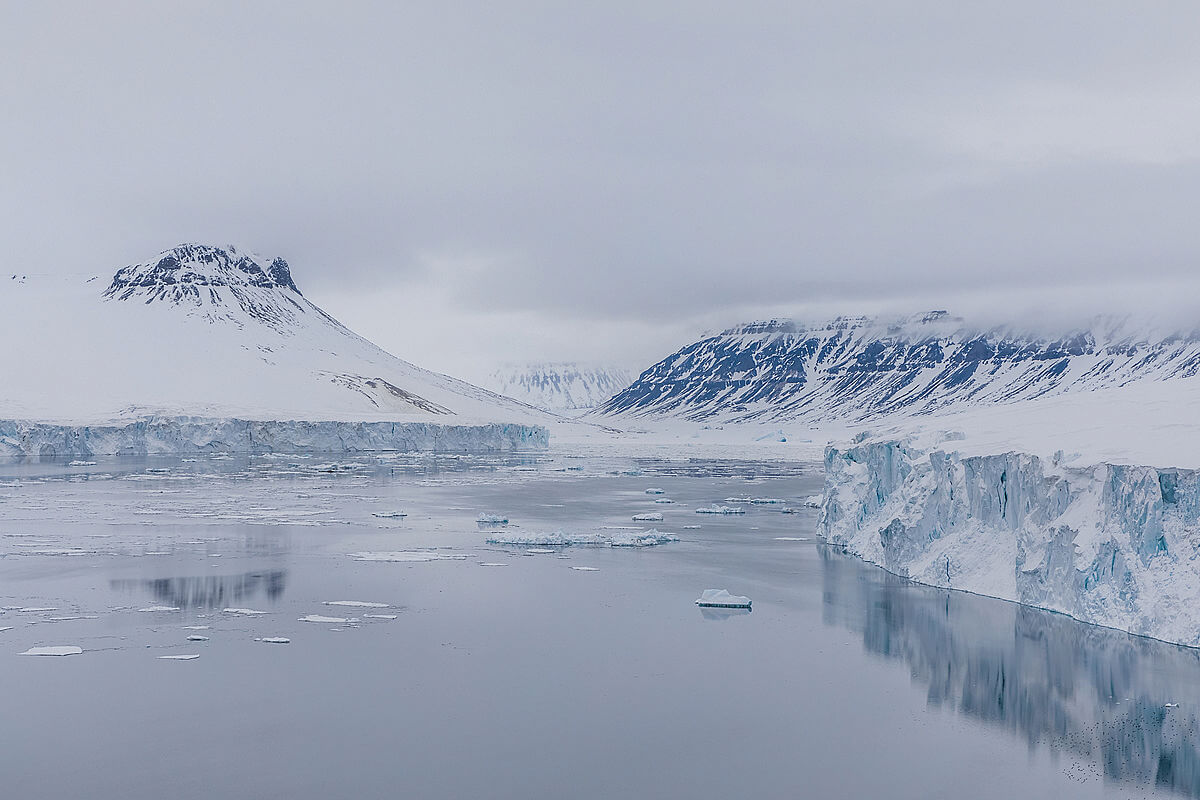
point(55, 650)
point(381, 616)
point(355, 603)
point(655, 516)
point(716, 509)
point(274, 640)
point(197, 638)
point(586, 569)
point(322, 619)
point(390, 514)
point(157, 609)
point(182, 657)
point(410, 556)
point(246, 612)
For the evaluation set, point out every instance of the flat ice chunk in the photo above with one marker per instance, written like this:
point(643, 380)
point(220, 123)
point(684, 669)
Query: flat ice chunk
point(813, 502)
point(791, 538)
point(655, 516)
point(274, 640)
point(35, 610)
point(492, 519)
point(82, 464)
point(586, 569)
point(245, 612)
point(546, 539)
point(156, 609)
point(766, 501)
point(492, 564)
point(197, 638)
point(55, 650)
point(410, 556)
point(195, 627)
point(716, 509)
point(390, 514)
point(181, 657)
point(381, 616)
point(665, 501)
point(319, 618)
point(656, 491)
point(538, 551)
point(650, 538)
point(356, 603)
point(691, 527)
point(721, 598)
point(6, 628)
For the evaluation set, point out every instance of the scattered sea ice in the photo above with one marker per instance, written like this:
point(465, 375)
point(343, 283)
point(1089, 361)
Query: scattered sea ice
point(638, 539)
point(390, 514)
point(491, 519)
point(183, 657)
point(319, 618)
point(246, 612)
point(691, 527)
point(195, 627)
point(56, 650)
point(492, 564)
point(34, 610)
point(355, 603)
point(656, 491)
point(546, 539)
point(716, 509)
point(655, 516)
point(586, 569)
point(791, 538)
point(156, 609)
point(410, 556)
point(274, 640)
point(381, 616)
point(538, 551)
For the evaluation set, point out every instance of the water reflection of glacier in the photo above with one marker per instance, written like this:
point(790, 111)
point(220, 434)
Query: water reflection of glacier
point(208, 591)
point(1089, 694)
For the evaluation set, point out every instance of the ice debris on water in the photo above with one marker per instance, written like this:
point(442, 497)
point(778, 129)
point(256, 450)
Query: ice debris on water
point(410, 556)
point(274, 640)
point(656, 491)
point(813, 502)
point(766, 501)
point(5, 628)
point(655, 516)
point(721, 598)
point(492, 519)
point(35, 610)
point(649, 538)
point(55, 650)
point(181, 657)
point(381, 616)
point(195, 627)
point(197, 638)
point(716, 509)
point(390, 514)
point(547, 539)
point(355, 603)
point(665, 501)
point(538, 551)
point(157, 609)
point(81, 464)
point(791, 538)
point(320, 618)
point(246, 612)
point(586, 569)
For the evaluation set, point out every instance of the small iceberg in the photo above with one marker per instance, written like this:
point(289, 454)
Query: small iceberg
point(390, 514)
point(654, 516)
point(82, 464)
point(716, 509)
point(197, 638)
point(766, 501)
point(656, 491)
point(157, 609)
point(650, 538)
point(181, 657)
point(322, 619)
point(721, 598)
point(547, 539)
point(355, 603)
point(813, 502)
point(56, 650)
point(492, 519)
point(274, 640)
point(586, 569)
point(245, 612)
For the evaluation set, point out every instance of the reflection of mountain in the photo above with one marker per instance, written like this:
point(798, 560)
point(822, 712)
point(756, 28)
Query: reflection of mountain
point(1088, 693)
point(209, 591)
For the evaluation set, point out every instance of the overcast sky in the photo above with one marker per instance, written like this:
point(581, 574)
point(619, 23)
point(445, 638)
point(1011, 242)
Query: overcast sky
point(469, 183)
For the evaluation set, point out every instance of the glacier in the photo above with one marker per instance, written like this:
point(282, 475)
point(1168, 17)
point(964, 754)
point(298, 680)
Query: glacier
point(183, 435)
point(1106, 543)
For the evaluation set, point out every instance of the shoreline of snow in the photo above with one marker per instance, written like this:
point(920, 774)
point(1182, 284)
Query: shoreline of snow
point(183, 434)
point(1108, 544)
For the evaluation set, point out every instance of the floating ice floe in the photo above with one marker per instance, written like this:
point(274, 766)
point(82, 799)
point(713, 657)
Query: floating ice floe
point(71, 618)
point(649, 538)
point(547, 538)
point(787, 510)
point(766, 501)
point(813, 502)
point(381, 616)
point(245, 612)
point(538, 551)
point(157, 609)
point(274, 640)
point(665, 501)
point(181, 657)
point(656, 491)
point(5, 628)
point(492, 564)
point(791, 538)
point(721, 598)
point(195, 627)
point(716, 509)
point(739, 499)
point(654, 516)
point(35, 610)
point(323, 619)
point(492, 519)
point(356, 604)
point(586, 569)
point(197, 638)
point(55, 650)
point(410, 556)
point(390, 514)
point(81, 464)
point(691, 527)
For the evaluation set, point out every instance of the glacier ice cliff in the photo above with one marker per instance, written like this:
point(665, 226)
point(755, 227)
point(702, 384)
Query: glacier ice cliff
point(171, 435)
point(1110, 544)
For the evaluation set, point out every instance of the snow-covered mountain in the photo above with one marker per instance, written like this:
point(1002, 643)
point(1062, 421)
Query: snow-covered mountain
point(561, 386)
point(857, 368)
point(215, 332)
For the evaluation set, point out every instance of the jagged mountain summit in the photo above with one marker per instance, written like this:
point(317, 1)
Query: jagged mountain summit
point(559, 386)
point(215, 332)
point(857, 369)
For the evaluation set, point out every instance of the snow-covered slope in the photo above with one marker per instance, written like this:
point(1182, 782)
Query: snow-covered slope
point(211, 332)
point(860, 369)
point(563, 386)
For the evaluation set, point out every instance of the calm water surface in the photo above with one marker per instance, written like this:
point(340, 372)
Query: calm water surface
point(532, 679)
